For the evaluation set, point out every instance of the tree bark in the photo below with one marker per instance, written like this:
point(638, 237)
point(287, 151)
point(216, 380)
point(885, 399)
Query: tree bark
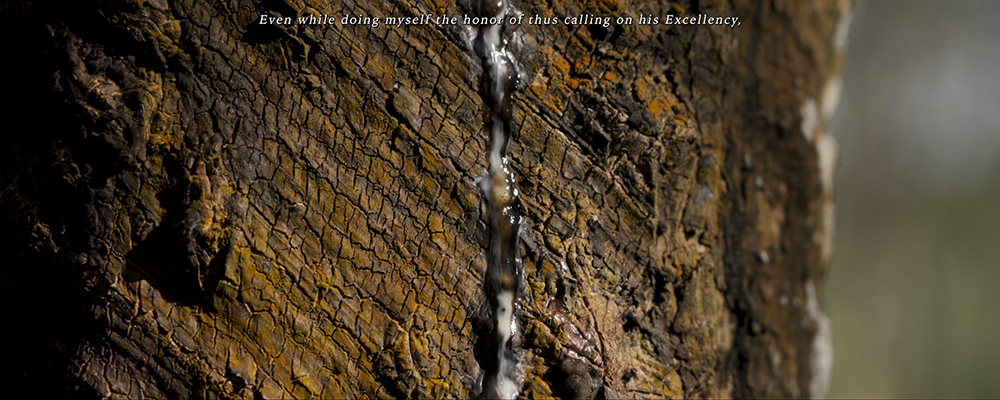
point(198, 205)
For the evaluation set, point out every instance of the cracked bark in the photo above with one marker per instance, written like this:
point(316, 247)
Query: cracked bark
point(196, 205)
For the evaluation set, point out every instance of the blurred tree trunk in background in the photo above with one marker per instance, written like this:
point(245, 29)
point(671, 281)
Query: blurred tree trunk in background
point(198, 205)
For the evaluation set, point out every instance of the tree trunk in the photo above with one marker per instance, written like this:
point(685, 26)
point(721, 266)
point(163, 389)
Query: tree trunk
point(199, 205)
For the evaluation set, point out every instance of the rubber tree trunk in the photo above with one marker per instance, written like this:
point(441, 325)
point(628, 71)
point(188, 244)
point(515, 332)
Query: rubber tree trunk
point(196, 205)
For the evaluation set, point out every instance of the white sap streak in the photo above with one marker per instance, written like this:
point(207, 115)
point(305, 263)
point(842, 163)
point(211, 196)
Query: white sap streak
point(501, 278)
point(507, 388)
point(831, 98)
point(822, 351)
point(496, 149)
point(810, 119)
point(505, 313)
point(840, 32)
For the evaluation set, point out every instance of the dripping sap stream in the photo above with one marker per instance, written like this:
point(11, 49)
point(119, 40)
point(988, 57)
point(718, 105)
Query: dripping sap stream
point(503, 280)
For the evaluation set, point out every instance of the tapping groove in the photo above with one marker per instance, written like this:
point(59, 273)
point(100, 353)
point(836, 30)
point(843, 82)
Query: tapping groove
point(503, 279)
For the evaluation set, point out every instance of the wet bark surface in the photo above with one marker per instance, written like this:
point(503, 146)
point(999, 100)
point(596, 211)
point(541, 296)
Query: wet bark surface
point(197, 205)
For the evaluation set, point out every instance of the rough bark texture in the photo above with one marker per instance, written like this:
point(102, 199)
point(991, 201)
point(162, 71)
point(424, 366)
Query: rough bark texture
point(195, 205)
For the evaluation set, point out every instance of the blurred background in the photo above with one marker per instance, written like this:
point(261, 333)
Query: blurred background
point(914, 288)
